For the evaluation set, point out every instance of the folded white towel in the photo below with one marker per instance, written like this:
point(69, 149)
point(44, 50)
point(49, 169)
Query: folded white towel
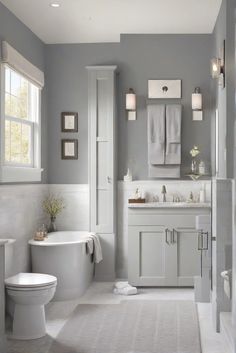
point(124, 288)
point(129, 290)
point(121, 284)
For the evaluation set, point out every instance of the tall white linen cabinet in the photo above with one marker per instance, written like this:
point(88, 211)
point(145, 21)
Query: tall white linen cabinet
point(102, 163)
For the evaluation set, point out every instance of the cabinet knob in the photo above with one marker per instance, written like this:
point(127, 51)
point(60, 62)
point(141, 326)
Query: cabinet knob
point(109, 180)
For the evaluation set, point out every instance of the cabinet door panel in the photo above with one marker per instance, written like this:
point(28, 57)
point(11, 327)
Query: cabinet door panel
point(152, 254)
point(152, 261)
point(188, 257)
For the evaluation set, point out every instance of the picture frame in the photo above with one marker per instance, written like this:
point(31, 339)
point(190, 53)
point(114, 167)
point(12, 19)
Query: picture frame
point(69, 122)
point(164, 89)
point(69, 149)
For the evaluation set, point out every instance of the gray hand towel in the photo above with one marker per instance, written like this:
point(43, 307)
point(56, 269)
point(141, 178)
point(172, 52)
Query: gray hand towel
point(173, 134)
point(164, 171)
point(156, 134)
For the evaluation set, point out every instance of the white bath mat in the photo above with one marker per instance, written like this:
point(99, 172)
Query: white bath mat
point(130, 327)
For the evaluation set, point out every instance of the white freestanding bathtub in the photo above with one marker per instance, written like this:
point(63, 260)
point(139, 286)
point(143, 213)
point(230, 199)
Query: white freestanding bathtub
point(63, 254)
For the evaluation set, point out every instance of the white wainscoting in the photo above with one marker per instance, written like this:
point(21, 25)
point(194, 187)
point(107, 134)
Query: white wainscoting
point(75, 216)
point(148, 188)
point(21, 213)
point(20, 216)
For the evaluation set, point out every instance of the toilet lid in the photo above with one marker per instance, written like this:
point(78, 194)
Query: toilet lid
point(30, 280)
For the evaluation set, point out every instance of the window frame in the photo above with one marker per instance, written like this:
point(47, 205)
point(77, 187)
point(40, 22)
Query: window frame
point(12, 171)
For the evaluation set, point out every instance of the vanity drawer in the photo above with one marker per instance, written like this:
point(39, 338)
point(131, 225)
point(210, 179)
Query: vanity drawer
point(165, 220)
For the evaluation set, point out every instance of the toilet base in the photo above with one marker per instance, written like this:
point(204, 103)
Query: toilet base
point(28, 322)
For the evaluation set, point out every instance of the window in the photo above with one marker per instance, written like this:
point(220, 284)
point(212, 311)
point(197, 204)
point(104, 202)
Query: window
point(20, 123)
point(21, 106)
point(20, 127)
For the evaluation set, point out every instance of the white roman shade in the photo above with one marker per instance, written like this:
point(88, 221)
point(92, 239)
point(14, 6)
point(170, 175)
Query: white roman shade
point(14, 59)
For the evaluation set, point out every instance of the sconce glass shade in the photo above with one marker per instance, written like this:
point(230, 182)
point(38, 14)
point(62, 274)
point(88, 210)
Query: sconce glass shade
point(131, 100)
point(197, 99)
point(215, 67)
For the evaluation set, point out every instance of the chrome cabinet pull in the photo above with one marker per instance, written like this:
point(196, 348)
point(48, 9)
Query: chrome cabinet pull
point(173, 236)
point(201, 240)
point(109, 180)
point(199, 247)
point(167, 231)
point(206, 243)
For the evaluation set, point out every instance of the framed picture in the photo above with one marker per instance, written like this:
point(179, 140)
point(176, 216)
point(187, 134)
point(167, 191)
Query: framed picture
point(69, 122)
point(69, 149)
point(164, 89)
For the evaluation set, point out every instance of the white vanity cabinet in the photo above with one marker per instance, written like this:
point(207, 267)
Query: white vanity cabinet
point(163, 246)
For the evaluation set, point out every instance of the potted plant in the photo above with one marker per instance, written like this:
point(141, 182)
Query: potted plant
point(53, 206)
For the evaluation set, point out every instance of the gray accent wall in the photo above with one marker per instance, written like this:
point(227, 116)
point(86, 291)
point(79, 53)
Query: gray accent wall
point(68, 91)
point(139, 58)
point(32, 48)
point(163, 56)
point(224, 99)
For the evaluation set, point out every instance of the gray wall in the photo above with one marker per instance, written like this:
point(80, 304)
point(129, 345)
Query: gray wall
point(139, 58)
point(163, 56)
point(32, 48)
point(68, 91)
point(224, 99)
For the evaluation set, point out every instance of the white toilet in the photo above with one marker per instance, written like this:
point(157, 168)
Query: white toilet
point(30, 292)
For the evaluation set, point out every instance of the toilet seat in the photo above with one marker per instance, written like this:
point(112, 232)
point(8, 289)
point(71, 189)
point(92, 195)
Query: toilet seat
point(30, 281)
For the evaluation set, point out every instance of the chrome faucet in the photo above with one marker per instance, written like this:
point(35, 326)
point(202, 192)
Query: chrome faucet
point(164, 192)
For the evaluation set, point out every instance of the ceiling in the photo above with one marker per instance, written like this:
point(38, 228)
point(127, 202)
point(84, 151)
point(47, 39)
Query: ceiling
point(90, 21)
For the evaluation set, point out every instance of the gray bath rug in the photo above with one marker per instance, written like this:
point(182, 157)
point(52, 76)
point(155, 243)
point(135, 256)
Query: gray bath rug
point(129, 327)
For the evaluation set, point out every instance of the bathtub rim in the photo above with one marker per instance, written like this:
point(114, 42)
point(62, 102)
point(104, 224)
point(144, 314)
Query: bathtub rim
point(47, 241)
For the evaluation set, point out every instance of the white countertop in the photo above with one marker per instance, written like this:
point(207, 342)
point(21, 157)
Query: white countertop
point(170, 205)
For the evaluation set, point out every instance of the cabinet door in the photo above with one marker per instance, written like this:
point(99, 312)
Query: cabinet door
point(188, 256)
point(101, 148)
point(152, 257)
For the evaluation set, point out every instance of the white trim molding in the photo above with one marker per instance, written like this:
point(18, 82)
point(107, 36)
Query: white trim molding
point(13, 172)
point(14, 59)
point(20, 174)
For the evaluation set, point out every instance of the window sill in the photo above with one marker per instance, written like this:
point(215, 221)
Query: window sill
point(20, 174)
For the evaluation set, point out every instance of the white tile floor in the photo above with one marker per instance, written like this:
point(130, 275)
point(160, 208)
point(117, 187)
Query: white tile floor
point(57, 313)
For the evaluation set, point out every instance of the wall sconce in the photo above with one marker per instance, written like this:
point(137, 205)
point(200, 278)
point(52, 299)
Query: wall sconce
point(197, 105)
point(131, 104)
point(218, 67)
